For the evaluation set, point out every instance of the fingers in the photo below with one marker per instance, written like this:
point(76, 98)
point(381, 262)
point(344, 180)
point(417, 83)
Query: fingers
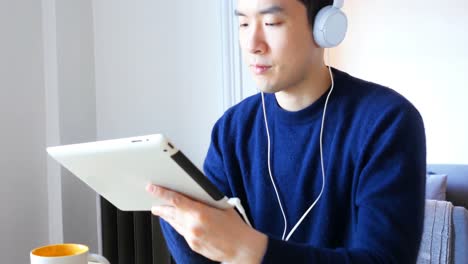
point(187, 225)
point(168, 213)
point(179, 211)
point(170, 198)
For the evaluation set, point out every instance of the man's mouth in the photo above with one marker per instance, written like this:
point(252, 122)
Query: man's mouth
point(260, 69)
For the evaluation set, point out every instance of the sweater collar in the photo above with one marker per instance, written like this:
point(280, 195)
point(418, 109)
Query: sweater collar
point(308, 114)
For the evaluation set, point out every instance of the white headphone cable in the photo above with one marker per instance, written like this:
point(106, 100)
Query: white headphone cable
point(269, 168)
point(321, 150)
point(321, 157)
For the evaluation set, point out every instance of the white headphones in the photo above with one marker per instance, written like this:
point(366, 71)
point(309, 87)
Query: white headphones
point(330, 25)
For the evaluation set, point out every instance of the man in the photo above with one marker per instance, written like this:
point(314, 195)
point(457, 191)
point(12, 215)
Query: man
point(371, 207)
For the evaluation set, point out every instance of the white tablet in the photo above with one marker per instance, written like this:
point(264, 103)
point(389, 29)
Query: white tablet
point(120, 169)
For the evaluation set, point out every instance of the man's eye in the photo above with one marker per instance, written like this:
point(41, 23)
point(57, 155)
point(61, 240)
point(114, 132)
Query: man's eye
point(243, 25)
point(273, 24)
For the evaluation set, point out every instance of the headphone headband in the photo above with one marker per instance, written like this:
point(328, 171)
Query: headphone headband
point(338, 3)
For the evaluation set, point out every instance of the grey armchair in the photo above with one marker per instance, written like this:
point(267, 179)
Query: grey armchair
point(457, 194)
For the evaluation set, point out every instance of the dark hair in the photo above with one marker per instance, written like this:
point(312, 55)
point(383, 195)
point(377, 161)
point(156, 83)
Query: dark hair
point(313, 7)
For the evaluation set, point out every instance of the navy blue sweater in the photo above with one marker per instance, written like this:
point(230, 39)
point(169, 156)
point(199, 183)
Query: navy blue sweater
point(372, 207)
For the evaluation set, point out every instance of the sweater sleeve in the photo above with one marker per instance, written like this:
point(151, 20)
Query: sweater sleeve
point(388, 196)
point(213, 168)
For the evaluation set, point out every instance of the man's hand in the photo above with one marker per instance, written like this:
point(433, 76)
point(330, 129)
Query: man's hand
point(220, 235)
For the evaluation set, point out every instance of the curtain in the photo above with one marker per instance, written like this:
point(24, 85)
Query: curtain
point(132, 237)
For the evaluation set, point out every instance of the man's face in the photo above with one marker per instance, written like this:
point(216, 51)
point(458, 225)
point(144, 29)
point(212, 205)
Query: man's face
point(276, 42)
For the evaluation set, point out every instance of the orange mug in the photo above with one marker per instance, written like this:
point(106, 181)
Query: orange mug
point(65, 254)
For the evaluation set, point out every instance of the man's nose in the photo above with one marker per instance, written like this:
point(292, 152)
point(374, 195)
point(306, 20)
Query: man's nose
point(256, 40)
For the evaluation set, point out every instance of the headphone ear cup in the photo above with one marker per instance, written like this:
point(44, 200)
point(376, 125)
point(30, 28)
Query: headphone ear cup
point(330, 27)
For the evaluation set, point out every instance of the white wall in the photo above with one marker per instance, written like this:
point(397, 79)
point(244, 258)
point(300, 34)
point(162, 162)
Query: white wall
point(159, 70)
point(23, 192)
point(54, 175)
point(77, 113)
point(418, 48)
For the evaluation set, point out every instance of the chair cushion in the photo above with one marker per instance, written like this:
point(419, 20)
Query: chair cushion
point(436, 186)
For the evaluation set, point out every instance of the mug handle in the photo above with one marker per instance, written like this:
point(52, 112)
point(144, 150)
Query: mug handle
point(97, 258)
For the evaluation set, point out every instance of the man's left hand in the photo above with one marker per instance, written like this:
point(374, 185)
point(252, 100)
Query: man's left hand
point(220, 235)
